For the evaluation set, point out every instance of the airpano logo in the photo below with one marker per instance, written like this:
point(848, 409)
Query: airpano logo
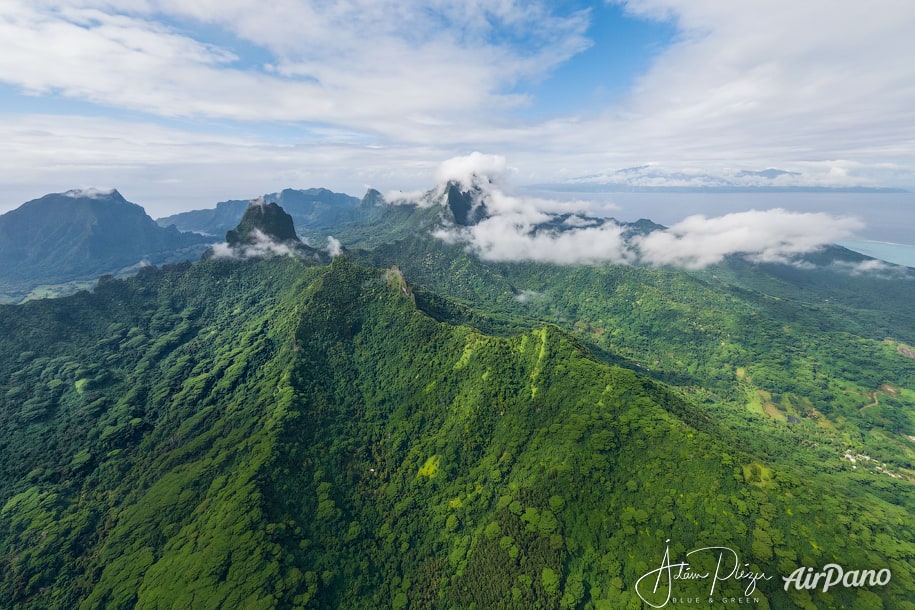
point(832, 575)
point(702, 577)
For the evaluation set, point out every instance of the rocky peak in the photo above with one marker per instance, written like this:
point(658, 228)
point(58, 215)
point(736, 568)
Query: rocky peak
point(266, 217)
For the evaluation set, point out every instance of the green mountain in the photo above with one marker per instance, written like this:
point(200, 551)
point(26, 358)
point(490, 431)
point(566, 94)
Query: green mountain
point(319, 213)
point(265, 230)
point(262, 220)
point(214, 222)
point(780, 340)
point(80, 235)
point(411, 427)
point(465, 207)
point(314, 208)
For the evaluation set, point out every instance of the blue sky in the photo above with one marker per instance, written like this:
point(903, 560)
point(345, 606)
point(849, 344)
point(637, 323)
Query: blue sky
point(181, 104)
point(621, 49)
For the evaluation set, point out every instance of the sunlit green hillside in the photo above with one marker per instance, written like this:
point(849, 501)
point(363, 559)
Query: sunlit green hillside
point(270, 434)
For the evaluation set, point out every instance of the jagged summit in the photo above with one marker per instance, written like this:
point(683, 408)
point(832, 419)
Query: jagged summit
point(266, 229)
point(467, 206)
point(371, 199)
point(263, 219)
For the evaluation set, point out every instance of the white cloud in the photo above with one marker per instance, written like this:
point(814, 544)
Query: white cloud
point(872, 268)
point(418, 197)
point(772, 81)
point(468, 169)
point(375, 91)
point(513, 237)
point(829, 174)
point(396, 68)
point(169, 169)
point(520, 229)
point(89, 193)
point(261, 246)
point(334, 247)
point(772, 236)
point(761, 235)
point(525, 296)
point(578, 221)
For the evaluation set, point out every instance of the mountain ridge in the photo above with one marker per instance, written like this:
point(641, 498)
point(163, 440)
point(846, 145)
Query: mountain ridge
point(312, 207)
point(81, 235)
point(277, 433)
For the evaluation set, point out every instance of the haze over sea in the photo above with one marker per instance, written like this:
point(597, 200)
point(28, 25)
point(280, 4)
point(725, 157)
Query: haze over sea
point(889, 218)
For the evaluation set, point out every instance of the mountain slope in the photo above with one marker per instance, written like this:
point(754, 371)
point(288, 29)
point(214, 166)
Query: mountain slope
point(319, 213)
point(272, 434)
point(81, 235)
point(314, 208)
point(762, 345)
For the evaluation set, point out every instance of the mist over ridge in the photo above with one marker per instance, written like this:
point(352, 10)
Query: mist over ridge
point(515, 227)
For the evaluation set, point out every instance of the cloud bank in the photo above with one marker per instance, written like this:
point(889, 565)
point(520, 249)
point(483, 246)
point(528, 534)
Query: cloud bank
point(539, 230)
point(765, 236)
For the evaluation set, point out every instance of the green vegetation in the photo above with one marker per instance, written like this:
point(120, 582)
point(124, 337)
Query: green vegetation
point(270, 434)
point(803, 349)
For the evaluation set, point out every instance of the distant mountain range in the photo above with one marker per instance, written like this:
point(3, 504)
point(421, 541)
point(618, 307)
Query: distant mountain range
point(654, 178)
point(413, 426)
point(265, 229)
point(314, 208)
point(64, 241)
point(81, 234)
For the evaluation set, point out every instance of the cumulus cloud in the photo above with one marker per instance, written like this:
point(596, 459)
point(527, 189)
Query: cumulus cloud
point(169, 170)
point(827, 174)
point(578, 221)
point(467, 170)
point(374, 90)
point(380, 66)
point(773, 236)
point(526, 296)
point(89, 193)
point(776, 80)
point(419, 198)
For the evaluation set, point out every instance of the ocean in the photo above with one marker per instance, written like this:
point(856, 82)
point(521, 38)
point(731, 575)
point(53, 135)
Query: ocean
point(899, 254)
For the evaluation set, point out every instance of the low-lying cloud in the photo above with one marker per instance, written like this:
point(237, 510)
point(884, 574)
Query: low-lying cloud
point(261, 246)
point(872, 268)
point(514, 237)
point(539, 230)
point(766, 236)
point(334, 247)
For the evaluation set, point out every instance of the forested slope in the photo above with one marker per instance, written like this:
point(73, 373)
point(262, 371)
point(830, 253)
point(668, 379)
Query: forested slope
point(269, 434)
point(792, 354)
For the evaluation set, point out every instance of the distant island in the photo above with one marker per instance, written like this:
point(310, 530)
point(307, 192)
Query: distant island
point(579, 187)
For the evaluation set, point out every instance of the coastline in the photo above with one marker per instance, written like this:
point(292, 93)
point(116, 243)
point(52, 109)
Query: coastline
point(890, 252)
